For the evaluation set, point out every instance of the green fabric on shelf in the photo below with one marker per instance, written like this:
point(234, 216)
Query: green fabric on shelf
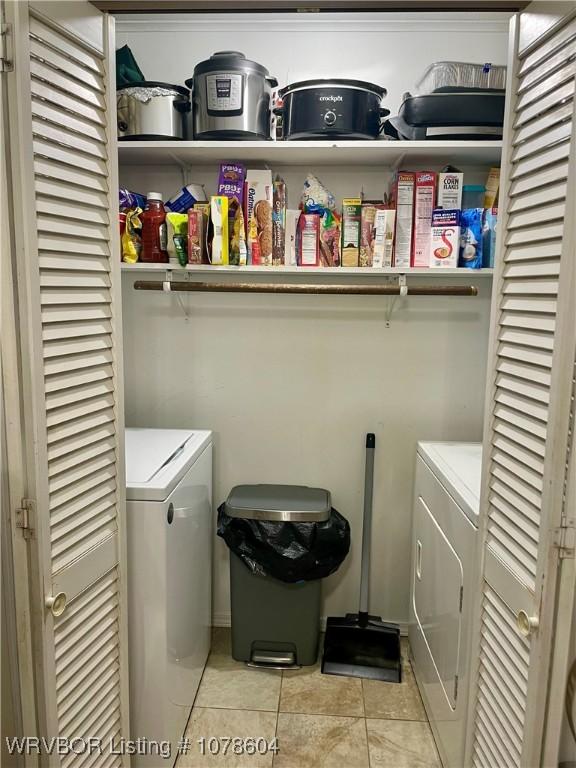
point(127, 69)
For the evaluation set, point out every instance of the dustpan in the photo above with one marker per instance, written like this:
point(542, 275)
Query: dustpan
point(358, 644)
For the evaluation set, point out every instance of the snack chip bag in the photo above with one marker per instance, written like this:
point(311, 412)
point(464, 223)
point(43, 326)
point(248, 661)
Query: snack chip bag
point(132, 236)
point(315, 195)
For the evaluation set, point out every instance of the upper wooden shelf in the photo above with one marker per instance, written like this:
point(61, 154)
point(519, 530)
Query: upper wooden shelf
point(391, 154)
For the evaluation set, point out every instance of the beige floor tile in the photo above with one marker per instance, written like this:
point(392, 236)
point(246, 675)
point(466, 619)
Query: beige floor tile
point(314, 741)
point(230, 684)
point(229, 723)
point(401, 744)
point(308, 691)
point(394, 701)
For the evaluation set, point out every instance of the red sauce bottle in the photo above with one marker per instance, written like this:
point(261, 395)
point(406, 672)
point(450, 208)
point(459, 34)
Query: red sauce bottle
point(154, 233)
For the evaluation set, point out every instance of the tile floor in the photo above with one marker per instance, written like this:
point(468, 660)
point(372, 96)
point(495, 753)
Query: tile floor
point(320, 721)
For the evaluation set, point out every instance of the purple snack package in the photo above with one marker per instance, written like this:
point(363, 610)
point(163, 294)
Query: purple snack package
point(231, 181)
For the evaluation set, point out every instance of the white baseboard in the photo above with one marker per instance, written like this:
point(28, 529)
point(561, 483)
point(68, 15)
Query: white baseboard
point(225, 620)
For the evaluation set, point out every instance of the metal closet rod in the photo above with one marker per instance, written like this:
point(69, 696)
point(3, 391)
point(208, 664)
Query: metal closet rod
point(356, 290)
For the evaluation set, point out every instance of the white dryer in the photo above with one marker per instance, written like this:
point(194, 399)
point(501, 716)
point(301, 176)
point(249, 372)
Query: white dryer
point(446, 503)
point(169, 517)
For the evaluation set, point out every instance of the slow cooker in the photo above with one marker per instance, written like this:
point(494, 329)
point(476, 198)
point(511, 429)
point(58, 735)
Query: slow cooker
point(153, 110)
point(332, 109)
point(231, 97)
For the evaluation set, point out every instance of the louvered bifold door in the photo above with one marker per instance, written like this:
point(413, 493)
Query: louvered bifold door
point(528, 403)
point(62, 121)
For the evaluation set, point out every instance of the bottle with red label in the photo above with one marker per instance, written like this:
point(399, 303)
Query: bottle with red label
point(154, 233)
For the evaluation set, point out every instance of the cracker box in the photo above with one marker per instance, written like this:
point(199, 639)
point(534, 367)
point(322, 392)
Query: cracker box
point(383, 251)
point(351, 221)
point(445, 238)
point(290, 236)
point(278, 221)
point(207, 229)
point(195, 236)
point(308, 240)
point(424, 204)
point(220, 240)
point(258, 203)
point(450, 186)
point(492, 186)
point(403, 195)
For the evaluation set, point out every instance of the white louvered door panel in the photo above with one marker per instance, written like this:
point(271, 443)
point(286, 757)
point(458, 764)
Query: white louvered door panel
point(69, 289)
point(528, 402)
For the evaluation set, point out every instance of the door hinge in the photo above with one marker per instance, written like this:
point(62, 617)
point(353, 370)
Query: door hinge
point(565, 540)
point(6, 59)
point(24, 517)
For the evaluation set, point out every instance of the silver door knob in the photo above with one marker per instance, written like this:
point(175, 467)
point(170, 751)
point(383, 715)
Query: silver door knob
point(57, 603)
point(526, 624)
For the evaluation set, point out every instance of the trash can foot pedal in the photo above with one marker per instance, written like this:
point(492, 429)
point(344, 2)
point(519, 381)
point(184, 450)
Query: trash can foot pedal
point(273, 660)
point(254, 665)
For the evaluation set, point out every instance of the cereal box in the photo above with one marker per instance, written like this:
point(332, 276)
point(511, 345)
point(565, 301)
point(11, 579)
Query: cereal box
point(403, 194)
point(383, 249)
point(424, 203)
point(351, 221)
point(445, 238)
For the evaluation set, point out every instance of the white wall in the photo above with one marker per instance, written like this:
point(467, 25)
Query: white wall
point(291, 384)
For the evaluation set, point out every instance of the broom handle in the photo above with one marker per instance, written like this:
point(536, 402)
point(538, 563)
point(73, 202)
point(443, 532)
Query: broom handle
point(367, 524)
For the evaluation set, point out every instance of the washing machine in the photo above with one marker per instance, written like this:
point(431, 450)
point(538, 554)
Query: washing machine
point(169, 522)
point(444, 555)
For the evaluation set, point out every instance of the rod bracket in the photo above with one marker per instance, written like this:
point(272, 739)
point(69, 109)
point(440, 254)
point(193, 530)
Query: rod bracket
point(391, 304)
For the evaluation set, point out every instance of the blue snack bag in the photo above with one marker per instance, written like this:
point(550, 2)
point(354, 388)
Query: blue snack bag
point(471, 238)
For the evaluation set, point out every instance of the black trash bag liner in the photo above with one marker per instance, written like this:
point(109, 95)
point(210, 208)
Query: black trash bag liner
point(288, 552)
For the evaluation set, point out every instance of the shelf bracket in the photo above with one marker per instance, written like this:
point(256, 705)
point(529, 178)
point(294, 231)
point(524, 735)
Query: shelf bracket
point(402, 284)
point(167, 288)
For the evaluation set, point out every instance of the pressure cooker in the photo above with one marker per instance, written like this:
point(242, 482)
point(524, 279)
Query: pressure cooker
point(331, 109)
point(231, 97)
point(153, 110)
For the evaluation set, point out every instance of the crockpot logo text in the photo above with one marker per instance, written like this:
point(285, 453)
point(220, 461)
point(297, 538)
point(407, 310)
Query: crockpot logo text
point(330, 98)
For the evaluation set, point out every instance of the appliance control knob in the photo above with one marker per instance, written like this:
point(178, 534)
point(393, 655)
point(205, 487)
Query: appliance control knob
point(330, 117)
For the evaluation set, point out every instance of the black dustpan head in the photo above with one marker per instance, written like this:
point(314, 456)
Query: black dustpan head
point(362, 646)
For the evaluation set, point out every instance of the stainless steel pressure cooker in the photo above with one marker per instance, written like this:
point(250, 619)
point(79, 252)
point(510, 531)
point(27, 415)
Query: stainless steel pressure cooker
point(153, 110)
point(231, 98)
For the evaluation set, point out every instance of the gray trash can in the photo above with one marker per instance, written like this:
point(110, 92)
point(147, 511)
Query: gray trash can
point(275, 623)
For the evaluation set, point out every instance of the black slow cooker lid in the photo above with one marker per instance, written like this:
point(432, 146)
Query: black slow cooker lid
point(228, 60)
point(155, 84)
point(329, 82)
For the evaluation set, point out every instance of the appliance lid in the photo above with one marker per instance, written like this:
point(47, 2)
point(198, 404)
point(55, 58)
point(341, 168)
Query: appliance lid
point(156, 84)
point(320, 82)
point(459, 467)
point(221, 61)
point(286, 503)
point(156, 460)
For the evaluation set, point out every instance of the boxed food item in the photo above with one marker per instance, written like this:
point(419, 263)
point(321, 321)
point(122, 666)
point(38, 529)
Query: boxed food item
point(450, 186)
point(489, 237)
point(231, 181)
point(445, 238)
point(290, 236)
point(383, 251)
point(403, 194)
point(308, 239)
point(424, 204)
point(185, 199)
point(330, 235)
point(238, 251)
point(471, 238)
point(219, 217)
point(196, 234)
point(207, 229)
point(258, 202)
point(278, 221)
point(367, 218)
point(492, 186)
point(351, 220)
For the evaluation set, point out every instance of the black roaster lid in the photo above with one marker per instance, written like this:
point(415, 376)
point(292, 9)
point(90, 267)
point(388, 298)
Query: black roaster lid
point(222, 60)
point(334, 82)
point(155, 84)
